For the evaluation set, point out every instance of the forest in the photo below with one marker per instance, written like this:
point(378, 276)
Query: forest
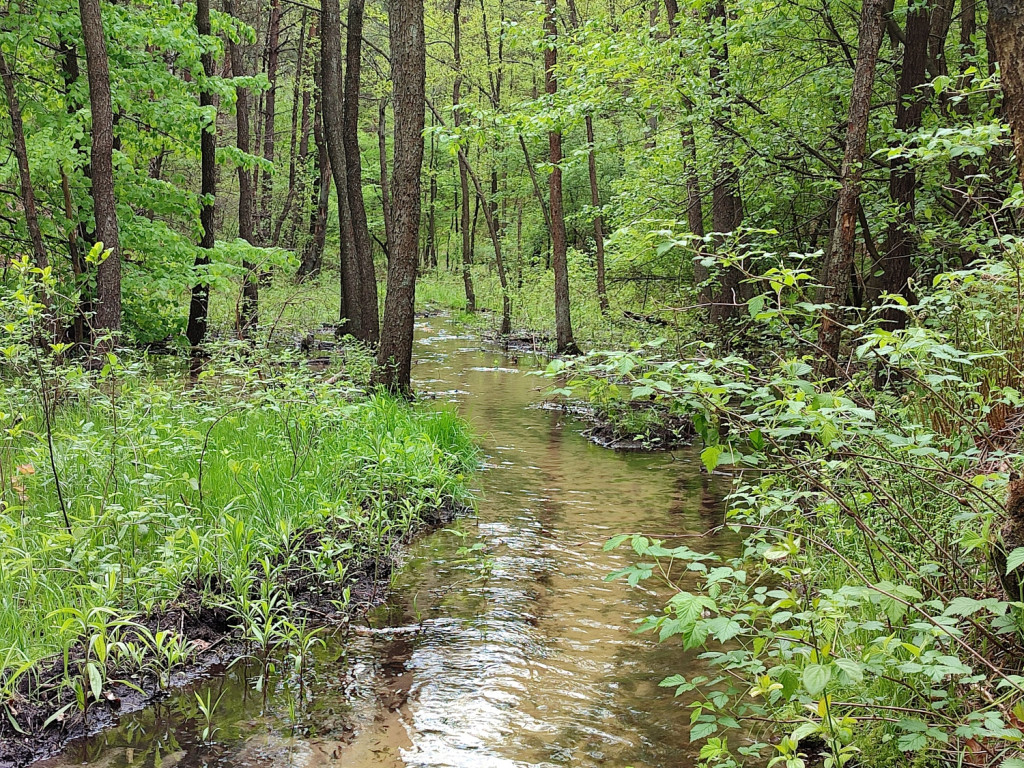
point(291, 291)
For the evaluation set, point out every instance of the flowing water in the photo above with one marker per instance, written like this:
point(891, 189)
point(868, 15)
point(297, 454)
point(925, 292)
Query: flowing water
point(510, 654)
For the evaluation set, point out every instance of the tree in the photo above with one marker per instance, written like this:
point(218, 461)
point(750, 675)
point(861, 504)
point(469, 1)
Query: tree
point(332, 105)
point(839, 259)
point(726, 201)
point(273, 56)
point(28, 195)
point(199, 306)
point(101, 167)
point(248, 315)
point(896, 262)
point(1006, 27)
point(565, 344)
point(408, 73)
point(363, 257)
point(467, 249)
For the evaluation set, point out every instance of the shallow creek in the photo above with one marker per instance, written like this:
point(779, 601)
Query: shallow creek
point(515, 655)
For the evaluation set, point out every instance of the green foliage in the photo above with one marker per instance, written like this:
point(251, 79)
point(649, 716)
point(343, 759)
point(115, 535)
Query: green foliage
point(255, 486)
point(863, 609)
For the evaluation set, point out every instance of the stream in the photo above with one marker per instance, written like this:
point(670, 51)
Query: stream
point(501, 645)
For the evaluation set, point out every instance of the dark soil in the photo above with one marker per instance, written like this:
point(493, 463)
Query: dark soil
point(214, 631)
point(665, 431)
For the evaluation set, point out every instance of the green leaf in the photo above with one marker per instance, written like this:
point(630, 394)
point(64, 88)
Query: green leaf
point(95, 680)
point(850, 672)
point(815, 678)
point(709, 456)
point(1015, 560)
point(615, 542)
point(702, 731)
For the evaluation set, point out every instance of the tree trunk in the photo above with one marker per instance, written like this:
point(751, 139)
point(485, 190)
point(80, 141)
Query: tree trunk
point(467, 248)
point(332, 105)
point(28, 195)
point(107, 318)
point(265, 220)
point(595, 200)
point(408, 74)
point(897, 263)
point(1006, 27)
point(199, 306)
point(382, 149)
point(354, 173)
point(296, 132)
point(248, 316)
point(312, 254)
point(565, 344)
point(726, 202)
point(430, 248)
point(839, 259)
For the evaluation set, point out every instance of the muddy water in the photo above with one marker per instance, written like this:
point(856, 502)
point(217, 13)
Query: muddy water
point(501, 645)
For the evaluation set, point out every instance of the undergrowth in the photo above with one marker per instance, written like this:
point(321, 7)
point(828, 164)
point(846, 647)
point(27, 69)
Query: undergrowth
point(866, 621)
point(143, 507)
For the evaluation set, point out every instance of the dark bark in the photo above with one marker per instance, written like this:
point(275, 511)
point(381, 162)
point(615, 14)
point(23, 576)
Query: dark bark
point(382, 149)
point(726, 202)
point(313, 252)
point(1006, 29)
point(265, 218)
point(565, 344)
point(467, 248)
point(354, 173)
point(294, 155)
point(247, 318)
point(839, 259)
point(940, 19)
point(897, 263)
point(199, 306)
point(408, 74)
point(430, 247)
point(694, 200)
point(107, 318)
point(332, 106)
point(28, 195)
point(595, 200)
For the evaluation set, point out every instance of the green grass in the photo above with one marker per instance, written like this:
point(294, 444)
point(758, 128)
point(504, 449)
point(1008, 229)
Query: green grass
point(253, 480)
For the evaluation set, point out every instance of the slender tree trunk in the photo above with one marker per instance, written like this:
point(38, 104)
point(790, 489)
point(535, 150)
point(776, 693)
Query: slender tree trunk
point(897, 263)
point(467, 247)
point(430, 248)
point(595, 200)
point(332, 107)
point(76, 229)
point(354, 173)
point(296, 132)
point(1006, 27)
point(961, 169)
point(28, 195)
point(382, 149)
point(265, 220)
point(408, 74)
point(199, 306)
point(248, 315)
point(312, 254)
point(101, 163)
point(840, 257)
point(694, 200)
point(726, 202)
point(565, 344)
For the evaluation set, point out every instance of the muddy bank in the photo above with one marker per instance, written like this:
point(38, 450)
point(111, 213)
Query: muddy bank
point(44, 716)
point(660, 431)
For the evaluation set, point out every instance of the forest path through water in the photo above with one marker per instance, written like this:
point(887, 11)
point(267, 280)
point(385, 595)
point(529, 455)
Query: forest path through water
point(525, 658)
